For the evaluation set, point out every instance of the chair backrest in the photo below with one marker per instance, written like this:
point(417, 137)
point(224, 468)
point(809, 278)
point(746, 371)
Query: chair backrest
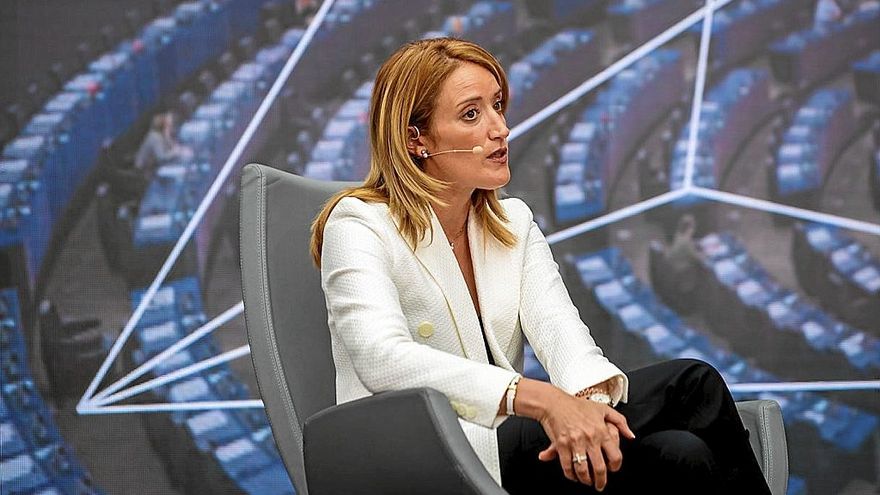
point(284, 306)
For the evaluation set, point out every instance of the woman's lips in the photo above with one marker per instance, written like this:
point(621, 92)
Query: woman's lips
point(499, 155)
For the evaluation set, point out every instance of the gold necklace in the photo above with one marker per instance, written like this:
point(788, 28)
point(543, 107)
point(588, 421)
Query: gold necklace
point(459, 234)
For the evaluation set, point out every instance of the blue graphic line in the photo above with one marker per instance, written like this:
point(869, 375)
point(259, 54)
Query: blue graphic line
point(616, 215)
point(699, 87)
point(231, 161)
point(172, 350)
point(819, 386)
point(174, 375)
point(611, 71)
point(790, 211)
point(172, 407)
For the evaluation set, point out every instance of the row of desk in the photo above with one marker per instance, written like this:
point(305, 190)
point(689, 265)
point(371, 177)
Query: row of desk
point(818, 132)
point(211, 132)
point(636, 312)
point(839, 271)
point(759, 309)
point(41, 168)
point(609, 129)
point(349, 30)
point(213, 451)
point(34, 458)
point(637, 21)
point(811, 55)
point(741, 30)
point(732, 110)
point(551, 70)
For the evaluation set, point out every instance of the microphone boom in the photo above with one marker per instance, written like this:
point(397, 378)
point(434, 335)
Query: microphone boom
point(477, 150)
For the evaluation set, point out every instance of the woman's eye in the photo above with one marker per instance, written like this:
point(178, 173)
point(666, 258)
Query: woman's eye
point(499, 105)
point(470, 114)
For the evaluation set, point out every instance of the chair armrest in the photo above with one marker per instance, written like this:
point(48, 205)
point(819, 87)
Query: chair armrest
point(402, 442)
point(763, 419)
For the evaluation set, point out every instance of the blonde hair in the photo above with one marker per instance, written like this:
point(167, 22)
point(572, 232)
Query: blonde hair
point(405, 94)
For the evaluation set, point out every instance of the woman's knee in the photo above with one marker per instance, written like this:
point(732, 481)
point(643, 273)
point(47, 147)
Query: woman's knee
point(696, 368)
point(679, 452)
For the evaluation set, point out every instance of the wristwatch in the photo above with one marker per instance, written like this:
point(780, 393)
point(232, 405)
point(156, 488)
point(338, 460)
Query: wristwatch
point(600, 397)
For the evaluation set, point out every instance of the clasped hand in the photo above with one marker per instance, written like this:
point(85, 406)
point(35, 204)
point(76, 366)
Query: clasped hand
point(577, 426)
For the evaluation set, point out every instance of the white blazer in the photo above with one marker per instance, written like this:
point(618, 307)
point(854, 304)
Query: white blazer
point(402, 318)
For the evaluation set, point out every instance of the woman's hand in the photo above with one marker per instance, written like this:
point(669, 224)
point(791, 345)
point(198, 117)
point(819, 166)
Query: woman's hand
point(577, 426)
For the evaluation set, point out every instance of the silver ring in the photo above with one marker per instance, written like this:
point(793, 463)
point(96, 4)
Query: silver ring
point(578, 458)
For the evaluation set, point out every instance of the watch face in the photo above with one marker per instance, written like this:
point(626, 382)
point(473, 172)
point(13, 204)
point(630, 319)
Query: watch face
point(602, 398)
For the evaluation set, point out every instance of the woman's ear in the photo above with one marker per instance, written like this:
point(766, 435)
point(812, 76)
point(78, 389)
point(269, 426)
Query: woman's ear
point(415, 142)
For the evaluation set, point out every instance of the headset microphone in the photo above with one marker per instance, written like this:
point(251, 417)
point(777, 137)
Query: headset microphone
point(477, 150)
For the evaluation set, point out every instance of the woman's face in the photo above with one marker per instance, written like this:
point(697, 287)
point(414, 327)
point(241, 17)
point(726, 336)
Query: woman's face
point(169, 122)
point(468, 114)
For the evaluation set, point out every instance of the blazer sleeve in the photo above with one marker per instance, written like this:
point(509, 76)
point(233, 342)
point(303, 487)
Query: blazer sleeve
point(367, 319)
point(551, 322)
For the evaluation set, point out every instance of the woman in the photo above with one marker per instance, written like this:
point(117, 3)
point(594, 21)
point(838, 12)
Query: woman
point(432, 281)
point(159, 145)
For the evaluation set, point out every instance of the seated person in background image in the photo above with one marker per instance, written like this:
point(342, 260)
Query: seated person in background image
point(159, 146)
point(682, 261)
point(432, 280)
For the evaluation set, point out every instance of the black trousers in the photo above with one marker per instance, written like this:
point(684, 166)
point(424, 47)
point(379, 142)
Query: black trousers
point(689, 439)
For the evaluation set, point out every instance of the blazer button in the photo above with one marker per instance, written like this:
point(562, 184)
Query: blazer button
point(470, 412)
point(426, 329)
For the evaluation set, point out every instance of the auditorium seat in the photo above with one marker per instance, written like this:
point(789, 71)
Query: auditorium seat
point(33, 455)
point(732, 109)
point(741, 30)
point(787, 325)
point(838, 271)
point(592, 157)
point(555, 67)
point(103, 101)
point(806, 57)
point(637, 315)
point(225, 450)
point(71, 350)
point(634, 23)
point(817, 134)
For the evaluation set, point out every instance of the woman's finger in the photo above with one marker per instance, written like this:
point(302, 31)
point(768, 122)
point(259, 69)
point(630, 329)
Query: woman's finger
point(611, 447)
point(582, 468)
point(619, 420)
point(565, 460)
point(600, 474)
point(548, 454)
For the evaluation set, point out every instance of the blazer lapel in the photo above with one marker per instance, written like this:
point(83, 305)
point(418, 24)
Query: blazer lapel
point(437, 258)
point(498, 288)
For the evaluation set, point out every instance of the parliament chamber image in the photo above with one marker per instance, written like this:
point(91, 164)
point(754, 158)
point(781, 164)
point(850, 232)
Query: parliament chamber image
point(706, 174)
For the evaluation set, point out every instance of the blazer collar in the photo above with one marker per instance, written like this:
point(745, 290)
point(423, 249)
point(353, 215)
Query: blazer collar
point(498, 287)
point(492, 273)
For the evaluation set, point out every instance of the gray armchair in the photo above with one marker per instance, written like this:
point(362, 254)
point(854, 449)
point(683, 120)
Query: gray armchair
point(399, 442)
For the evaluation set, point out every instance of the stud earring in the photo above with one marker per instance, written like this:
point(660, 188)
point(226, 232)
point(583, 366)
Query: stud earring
point(424, 153)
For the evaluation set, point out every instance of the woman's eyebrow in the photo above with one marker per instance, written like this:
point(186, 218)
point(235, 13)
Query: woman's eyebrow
point(476, 98)
point(469, 100)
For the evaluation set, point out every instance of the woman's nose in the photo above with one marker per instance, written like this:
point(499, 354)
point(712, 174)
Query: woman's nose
point(499, 128)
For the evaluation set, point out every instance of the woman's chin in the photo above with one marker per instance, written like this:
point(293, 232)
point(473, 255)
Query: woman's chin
point(499, 179)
